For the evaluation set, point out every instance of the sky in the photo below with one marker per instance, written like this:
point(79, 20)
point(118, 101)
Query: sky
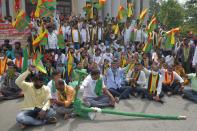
point(182, 1)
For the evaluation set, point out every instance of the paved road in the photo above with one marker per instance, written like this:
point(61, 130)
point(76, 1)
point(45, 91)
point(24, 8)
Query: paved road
point(173, 105)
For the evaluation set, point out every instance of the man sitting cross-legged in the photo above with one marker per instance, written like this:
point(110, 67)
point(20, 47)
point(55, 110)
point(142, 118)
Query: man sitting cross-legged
point(136, 79)
point(9, 90)
point(114, 81)
point(37, 97)
point(95, 92)
point(172, 82)
point(65, 94)
point(191, 94)
point(153, 90)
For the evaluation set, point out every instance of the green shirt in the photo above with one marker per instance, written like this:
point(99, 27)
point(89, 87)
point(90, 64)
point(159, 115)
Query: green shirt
point(193, 79)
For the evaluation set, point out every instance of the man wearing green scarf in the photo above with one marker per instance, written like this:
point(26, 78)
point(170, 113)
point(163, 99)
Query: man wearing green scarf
point(56, 75)
point(95, 93)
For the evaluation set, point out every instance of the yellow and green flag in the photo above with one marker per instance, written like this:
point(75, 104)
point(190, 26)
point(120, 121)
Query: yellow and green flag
point(60, 38)
point(21, 22)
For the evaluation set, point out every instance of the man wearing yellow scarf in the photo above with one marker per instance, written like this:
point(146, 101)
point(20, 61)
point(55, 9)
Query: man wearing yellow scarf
point(66, 94)
point(153, 90)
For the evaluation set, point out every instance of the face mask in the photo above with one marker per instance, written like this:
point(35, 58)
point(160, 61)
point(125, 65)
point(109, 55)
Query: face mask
point(1, 58)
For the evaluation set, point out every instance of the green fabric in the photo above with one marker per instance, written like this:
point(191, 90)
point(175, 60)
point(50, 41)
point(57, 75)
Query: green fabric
point(51, 5)
point(99, 87)
point(97, 6)
point(193, 79)
point(149, 48)
point(23, 22)
point(168, 44)
point(44, 41)
point(73, 83)
point(25, 60)
point(186, 53)
point(53, 89)
point(61, 43)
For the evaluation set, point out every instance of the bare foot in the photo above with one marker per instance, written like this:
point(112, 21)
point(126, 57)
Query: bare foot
point(66, 116)
point(22, 126)
point(117, 99)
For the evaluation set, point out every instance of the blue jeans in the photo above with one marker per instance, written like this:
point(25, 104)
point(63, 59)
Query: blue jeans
point(122, 93)
point(28, 117)
point(174, 88)
point(190, 95)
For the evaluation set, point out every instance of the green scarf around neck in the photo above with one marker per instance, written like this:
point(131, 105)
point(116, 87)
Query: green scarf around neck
point(99, 87)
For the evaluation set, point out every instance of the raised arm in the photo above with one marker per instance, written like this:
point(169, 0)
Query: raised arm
point(20, 81)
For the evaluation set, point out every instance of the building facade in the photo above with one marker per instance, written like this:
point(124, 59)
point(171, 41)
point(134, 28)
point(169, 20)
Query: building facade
point(111, 7)
point(75, 7)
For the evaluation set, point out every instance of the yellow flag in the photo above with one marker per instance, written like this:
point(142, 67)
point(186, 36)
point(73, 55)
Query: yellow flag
point(37, 12)
point(130, 12)
point(92, 13)
point(172, 38)
point(143, 14)
point(39, 38)
point(117, 30)
point(70, 63)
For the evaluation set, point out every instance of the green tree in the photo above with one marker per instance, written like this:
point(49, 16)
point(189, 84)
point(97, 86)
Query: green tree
point(190, 22)
point(154, 8)
point(171, 14)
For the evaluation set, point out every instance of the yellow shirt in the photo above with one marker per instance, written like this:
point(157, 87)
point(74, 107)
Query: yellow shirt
point(67, 96)
point(33, 97)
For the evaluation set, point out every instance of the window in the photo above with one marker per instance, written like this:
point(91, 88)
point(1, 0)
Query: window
point(64, 7)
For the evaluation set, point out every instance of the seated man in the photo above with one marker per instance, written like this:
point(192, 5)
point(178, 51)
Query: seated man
point(56, 75)
point(153, 90)
point(191, 94)
point(37, 97)
point(136, 79)
point(18, 61)
point(9, 90)
point(66, 95)
point(114, 80)
point(181, 72)
point(172, 82)
point(95, 93)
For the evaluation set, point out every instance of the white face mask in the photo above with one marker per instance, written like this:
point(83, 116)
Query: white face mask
point(154, 72)
point(1, 58)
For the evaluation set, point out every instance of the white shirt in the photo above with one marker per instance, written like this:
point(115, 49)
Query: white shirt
point(159, 86)
point(141, 80)
point(62, 57)
point(102, 48)
point(194, 62)
point(84, 34)
point(75, 36)
point(99, 33)
point(114, 80)
point(67, 32)
point(169, 60)
point(107, 56)
point(139, 36)
point(52, 41)
point(97, 59)
point(176, 76)
point(127, 34)
point(89, 87)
